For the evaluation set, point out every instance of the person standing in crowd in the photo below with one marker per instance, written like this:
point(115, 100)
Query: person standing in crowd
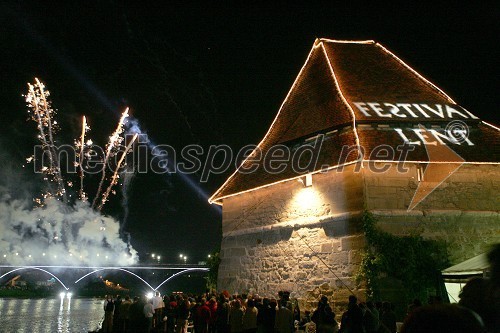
point(324, 318)
point(201, 316)
point(267, 317)
point(221, 324)
point(212, 305)
point(442, 318)
point(149, 313)
point(158, 308)
point(284, 319)
point(236, 317)
point(170, 312)
point(352, 319)
point(116, 313)
point(109, 308)
point(182, 315)
point(123, 316)
point(249, 324)
point(388, 317)
point(135, 314)
point(371, 319)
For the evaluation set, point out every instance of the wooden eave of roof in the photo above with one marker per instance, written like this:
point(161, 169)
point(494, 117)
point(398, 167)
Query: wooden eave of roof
point(335, 76)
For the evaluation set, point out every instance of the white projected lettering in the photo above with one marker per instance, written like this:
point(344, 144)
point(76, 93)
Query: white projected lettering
point(412, 110)
point(420, 136)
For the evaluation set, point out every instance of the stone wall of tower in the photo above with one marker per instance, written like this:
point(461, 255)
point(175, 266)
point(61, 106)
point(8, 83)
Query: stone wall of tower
point(287, 236)
point(308, 240)
point(463, 210)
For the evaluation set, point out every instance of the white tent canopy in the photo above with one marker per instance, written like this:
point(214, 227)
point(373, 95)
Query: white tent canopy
point(473, 266)
point(457, 275)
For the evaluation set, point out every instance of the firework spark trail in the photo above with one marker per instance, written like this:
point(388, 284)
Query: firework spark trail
point(82, 194)
point(114, 179)
point(49, 113)
point(113, 141)
point(32, 101)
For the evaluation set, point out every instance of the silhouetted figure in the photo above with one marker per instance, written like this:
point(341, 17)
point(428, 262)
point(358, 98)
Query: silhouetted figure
point(250, 317)
point(442, 318)
point(136, 317)
point(284, 319)
point(371, 318)
point(388, 317)
point(236, 317)
point(352, 319)
point(109, 308)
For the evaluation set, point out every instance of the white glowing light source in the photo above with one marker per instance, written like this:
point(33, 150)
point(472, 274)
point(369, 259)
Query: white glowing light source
point(17, 253)
point(152, 255)
point(43, 254)
point(308, 180)
point(68, 295)
point(62, 294)
point(149, 295)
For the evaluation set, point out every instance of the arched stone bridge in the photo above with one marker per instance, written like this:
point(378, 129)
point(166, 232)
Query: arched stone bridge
point(135, 271)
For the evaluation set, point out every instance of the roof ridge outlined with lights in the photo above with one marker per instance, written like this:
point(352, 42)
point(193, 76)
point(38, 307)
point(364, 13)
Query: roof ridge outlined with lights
point(346, 83)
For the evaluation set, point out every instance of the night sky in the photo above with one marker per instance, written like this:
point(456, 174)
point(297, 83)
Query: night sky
point(211, 74)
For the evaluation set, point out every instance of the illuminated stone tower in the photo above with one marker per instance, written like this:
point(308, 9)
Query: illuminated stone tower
point(292, 211)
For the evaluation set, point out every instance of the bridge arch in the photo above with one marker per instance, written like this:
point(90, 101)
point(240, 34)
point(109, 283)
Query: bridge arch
point(180, 273)
point(36, 268)
point(118, 269)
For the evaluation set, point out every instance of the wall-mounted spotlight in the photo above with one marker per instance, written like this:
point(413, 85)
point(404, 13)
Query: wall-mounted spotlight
point(307, 180)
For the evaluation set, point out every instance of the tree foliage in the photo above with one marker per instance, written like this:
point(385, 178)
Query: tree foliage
point(411, 259)
point(213, 266)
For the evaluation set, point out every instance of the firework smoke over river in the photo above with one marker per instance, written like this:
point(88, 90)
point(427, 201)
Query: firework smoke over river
point(53, 228)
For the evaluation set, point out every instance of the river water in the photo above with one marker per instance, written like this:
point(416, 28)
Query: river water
point(50, 315)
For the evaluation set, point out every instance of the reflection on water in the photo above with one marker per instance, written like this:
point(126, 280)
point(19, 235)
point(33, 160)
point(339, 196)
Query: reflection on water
point(62, 315)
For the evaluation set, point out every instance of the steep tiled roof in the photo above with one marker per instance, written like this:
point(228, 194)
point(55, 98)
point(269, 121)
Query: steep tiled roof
point(359, 96)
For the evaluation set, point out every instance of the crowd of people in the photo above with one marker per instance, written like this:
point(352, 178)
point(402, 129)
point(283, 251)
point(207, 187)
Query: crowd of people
point(478, 311)
point(209, 313)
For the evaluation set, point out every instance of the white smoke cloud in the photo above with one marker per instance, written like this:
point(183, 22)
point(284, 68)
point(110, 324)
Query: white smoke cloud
point(56, 234)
